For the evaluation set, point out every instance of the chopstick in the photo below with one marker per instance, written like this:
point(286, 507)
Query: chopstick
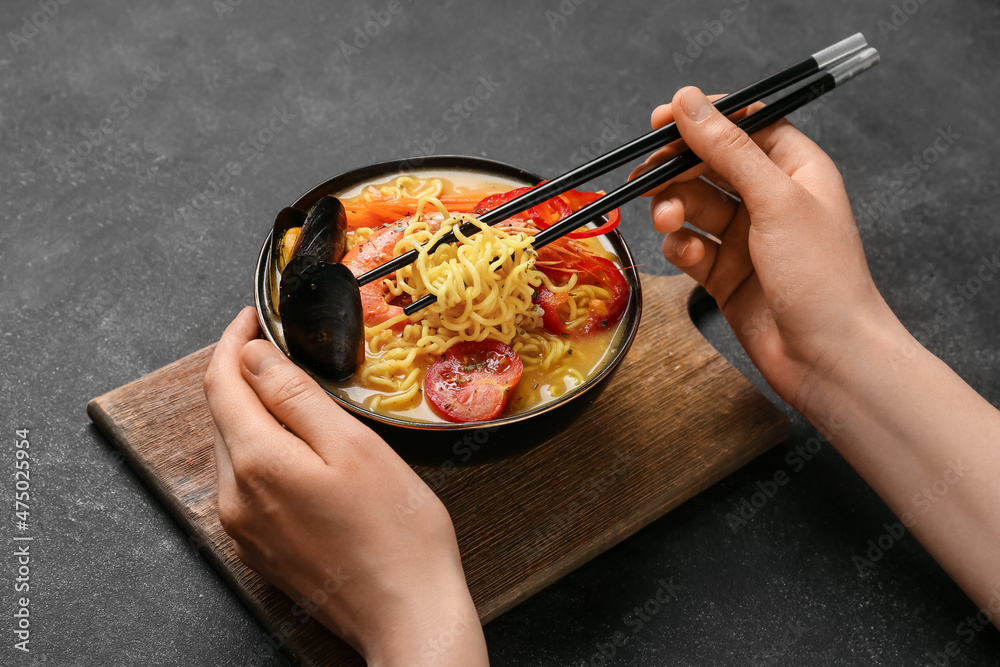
point(640, 146)
point(836, 75)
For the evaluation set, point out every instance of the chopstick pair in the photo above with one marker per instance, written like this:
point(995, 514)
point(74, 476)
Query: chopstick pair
point(835, 65)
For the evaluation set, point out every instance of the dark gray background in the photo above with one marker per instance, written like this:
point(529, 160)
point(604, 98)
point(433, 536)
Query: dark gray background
point(113, 265)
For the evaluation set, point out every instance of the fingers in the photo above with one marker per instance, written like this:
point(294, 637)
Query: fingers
point(697, 202)
point(691, 252)
point(228, 395)
point(720, 267)
point(728, 150)
point(745, 309)
point(223, 466)
point(661, 156)
point(663, 115)
point(297, 401)
point(249, 434)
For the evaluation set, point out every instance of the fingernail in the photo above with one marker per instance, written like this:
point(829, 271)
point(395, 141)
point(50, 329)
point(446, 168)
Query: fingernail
point(258, 357)
point(697, 106)
point(679, 249)
point(660, 210)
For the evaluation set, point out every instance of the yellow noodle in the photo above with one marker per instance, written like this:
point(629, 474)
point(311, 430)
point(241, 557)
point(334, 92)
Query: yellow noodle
point(407, 186)
point(484, 286)
point(358, 236)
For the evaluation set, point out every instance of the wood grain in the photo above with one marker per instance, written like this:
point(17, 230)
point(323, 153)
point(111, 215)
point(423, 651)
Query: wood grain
point(675, 419)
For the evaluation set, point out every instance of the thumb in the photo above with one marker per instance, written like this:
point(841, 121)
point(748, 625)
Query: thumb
point(295, 399)
point(727, 150)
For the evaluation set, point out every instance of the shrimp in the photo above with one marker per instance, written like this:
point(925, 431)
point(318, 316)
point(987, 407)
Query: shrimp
point(373, 252)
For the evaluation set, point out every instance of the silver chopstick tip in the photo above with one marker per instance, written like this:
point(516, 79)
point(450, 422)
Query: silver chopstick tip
point(850, 68)
point(839, 51)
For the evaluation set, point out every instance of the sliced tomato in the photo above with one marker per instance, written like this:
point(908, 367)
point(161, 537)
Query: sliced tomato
point(472, 380)
point(551, 302)
point(590, 270)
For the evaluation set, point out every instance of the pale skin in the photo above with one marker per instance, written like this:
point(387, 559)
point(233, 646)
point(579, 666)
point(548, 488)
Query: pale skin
point(327, 512)
point(315, 508)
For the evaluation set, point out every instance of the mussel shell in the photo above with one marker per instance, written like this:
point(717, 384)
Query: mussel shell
point(321, 317)
point(324, 232)
point(287, 218)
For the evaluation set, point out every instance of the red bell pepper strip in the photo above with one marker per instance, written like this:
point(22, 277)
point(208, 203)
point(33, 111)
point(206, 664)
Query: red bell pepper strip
point(551, 211)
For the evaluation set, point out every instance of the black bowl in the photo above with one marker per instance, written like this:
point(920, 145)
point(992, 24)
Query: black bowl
point(443, 444)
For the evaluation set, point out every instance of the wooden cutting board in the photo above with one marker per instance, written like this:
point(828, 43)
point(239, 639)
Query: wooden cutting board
point(675, 419)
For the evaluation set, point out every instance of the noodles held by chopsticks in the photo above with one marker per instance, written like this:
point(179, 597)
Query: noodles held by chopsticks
point(484, 286)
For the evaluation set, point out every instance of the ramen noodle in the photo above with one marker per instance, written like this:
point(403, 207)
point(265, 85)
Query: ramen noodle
point(504, 308)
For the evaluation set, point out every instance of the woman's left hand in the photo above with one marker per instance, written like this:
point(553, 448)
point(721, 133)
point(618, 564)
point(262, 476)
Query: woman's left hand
point(325, 509)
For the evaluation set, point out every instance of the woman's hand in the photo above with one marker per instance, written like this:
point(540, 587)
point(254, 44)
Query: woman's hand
point(790, 274)
point(791, 278)
point(326, 511)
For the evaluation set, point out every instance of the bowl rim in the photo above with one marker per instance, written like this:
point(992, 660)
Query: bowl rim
point(380, 170)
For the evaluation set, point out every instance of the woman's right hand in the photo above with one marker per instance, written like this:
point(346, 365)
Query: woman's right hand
point(790, 274)
point(791, 278)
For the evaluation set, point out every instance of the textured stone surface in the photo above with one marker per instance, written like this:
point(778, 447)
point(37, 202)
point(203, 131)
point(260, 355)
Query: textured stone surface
point(122, 256)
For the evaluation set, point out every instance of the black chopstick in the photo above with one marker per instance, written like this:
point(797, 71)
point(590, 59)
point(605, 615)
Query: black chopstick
point(640, 146)
point(836, 75)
